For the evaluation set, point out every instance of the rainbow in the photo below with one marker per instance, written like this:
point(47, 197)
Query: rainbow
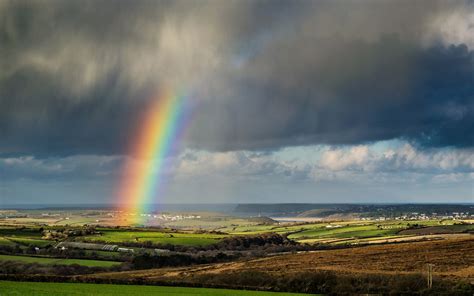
point(157, 136)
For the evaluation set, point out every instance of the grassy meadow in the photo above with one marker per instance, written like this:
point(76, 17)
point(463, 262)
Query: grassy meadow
point(192, 233)
point(8, 288)
point(58, 261)
point(173, 238)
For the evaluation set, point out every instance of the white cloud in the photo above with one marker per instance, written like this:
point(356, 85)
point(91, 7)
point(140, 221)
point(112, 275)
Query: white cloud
point(340, 159)
point(362, 164)
point(453, 178)
point(363, 171)
point(404, 158)
point(455, 26)
point(407, 157)
point(359, 164)
point(238, 164)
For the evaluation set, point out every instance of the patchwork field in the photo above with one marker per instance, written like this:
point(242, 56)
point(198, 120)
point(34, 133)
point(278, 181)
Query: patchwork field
point(437, 229)
point(347, 232)
point(253, 253)
point(320, 232)
point(375, 232)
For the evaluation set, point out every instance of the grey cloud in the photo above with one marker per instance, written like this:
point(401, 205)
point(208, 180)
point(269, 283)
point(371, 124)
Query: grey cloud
point(360, 173)
point(78, 167)
point(75, 76)
point(333, 163)
point(238, 164)
point(354, 92)
point(358, 164)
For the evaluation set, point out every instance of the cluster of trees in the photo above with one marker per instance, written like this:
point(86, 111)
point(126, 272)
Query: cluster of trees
point(202, 231)
point(255, 241)
point(265, 243)
point(64, 233)
point(227, 249)
point(146, 261)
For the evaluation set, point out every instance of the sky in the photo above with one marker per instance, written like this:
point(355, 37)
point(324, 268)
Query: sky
point(291, 101)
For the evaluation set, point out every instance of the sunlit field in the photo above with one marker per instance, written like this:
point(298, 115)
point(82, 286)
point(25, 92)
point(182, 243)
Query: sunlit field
point(189, 239)
point(60, 289)
point(58, 261)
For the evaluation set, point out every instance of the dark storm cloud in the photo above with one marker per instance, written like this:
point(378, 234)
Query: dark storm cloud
point(353, 92)
point(76, 76)
point(77, 167)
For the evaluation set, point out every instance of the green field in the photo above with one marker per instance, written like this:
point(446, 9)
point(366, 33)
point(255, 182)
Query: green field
point(315, 232)
point(318, 231)
point(187, 239)
point(6, 242)
point(358, 231)
point(364, 231)
point(58, 289)
point(324, 230)
point(31, 242)
point(58, 261)
point(281, 229)
point(20, 232)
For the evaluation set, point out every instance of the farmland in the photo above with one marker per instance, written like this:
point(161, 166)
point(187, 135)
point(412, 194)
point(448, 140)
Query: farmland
point(189, 239)
point(387, 264)
point(58, 289)
point(352, 231)
point(57, 261)
point(335, 232)
point(298, 254)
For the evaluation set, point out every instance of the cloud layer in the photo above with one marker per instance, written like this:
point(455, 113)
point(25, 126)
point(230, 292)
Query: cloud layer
point(262, 75)
point(330, 163)
point(362, 173)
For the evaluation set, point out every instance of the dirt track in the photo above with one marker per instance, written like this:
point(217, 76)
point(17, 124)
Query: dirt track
point(453, 258)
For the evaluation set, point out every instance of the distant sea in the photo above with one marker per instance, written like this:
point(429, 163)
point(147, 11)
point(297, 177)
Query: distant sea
point(225, 208)
point(281, 210)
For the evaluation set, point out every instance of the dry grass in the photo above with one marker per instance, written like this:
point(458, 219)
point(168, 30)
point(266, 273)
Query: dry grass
point(453, 258)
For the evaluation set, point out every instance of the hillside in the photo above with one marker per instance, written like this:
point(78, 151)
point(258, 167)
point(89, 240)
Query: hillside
point(382, 264)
